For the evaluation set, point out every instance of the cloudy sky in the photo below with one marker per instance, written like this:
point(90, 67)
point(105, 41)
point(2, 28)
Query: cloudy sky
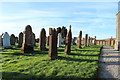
point(93, 18)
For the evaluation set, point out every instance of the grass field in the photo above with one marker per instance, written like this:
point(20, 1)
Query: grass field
point(82, 63)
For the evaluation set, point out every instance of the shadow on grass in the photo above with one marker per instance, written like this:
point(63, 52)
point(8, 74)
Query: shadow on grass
point(88, 50)
point(28, 76)
point(26, 54)
point(83, 54)
point(74, 59)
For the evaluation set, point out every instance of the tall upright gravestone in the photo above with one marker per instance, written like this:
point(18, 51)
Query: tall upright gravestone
point(20, 39)
point(33, 37)
point(12, 39)
point(89, 41)
point(47, 40)
point(79, 39)
point(59, 40)
point(52, 53)
point(95, 40)
point(6, 41)
point(86, 40)
point(1, 42)
point(27, 45)
point(42, 40)
point(68, 42)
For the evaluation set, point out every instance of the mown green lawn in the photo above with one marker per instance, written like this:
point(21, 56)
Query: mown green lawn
point(82, 63)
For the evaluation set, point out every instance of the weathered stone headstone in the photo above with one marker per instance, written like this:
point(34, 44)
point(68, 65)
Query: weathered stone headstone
point(95, 40)
point(37, 40)
point(89, 41)
point(68, 42)
point(83, 41)
point(52, 53)
point(33, 37)
point(12, 39)
point(6, 41)
point(16, 39)
point(79, 39)
point(1, 41)
point(58, 30)
point(47, 40)
point(74, 41)
point(20, 39)
point(27, 45)
point(42, 40)
point(59, 41)
point(86, 40)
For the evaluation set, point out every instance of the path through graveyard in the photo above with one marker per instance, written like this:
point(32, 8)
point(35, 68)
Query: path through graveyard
point(109, 65)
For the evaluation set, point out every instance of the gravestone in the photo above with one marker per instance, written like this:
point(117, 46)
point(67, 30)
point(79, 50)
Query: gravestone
point(47, 40)
point(89, 41)
point(33, 37)
point(86, 40)
point(37, 40)
point(59, 41)
point(52, 53)
point(6, 41)
point(74, 40)
point(79, 39)
point(12, 39)
point(20, 39)
point(1, 40)
point(68, 42)
point(58, 30)
point(95, 40)
point(83, 41)
point(27, 45)
point(16, 39)
point(42, 40)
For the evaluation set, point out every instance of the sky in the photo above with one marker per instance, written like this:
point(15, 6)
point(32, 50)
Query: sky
point(93, 18)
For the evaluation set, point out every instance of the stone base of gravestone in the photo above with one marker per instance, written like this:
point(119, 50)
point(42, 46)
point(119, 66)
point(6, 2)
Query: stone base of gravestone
point(8, 47)
point(27, 49)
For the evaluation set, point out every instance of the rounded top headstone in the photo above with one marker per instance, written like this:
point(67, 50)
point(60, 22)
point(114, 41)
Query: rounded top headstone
point(13, 35)
point(28, 28)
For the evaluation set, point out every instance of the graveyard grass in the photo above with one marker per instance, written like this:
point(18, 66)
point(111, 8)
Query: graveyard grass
point(82, 63)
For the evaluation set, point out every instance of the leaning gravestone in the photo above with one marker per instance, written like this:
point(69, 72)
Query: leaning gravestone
point(27, 45)
point(42, 40)
point(68, 42)
point(52, 53)
point(12, 39)
point(59, 41)
point(79, 39)
point(20, 39)
point(6, 41)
